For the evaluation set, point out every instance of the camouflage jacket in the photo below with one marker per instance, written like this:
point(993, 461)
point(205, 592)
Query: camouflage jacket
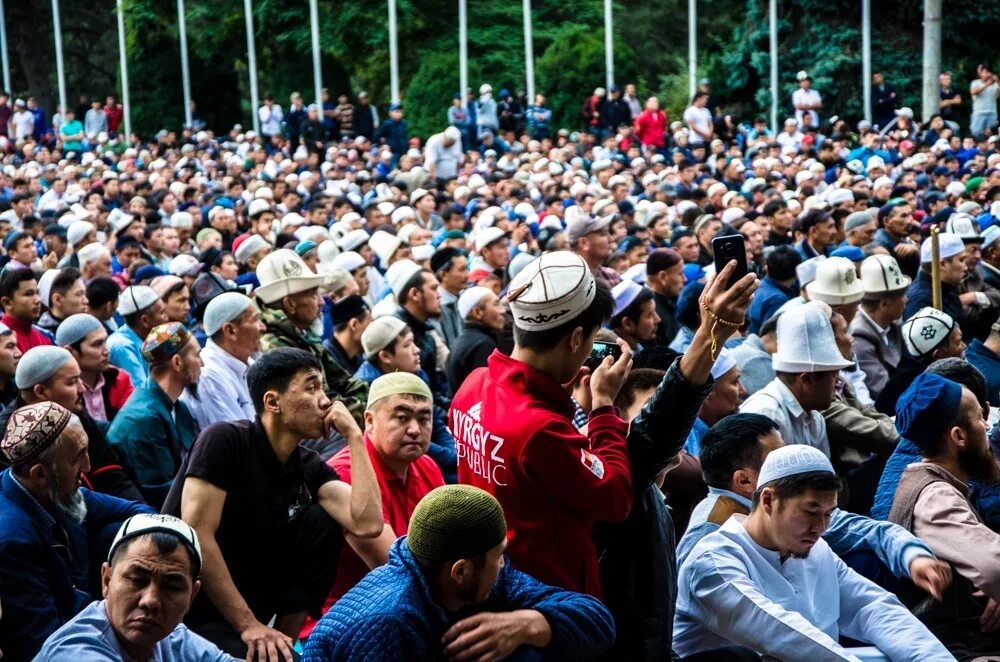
point(338, 382)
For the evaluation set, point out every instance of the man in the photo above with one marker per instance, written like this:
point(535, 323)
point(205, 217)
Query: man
point(985, 355)
point(806, 101)
point(778, 286)
point(397, 435)
point(820, 233)
point(634, 317)
point(665, 277)
point(484, 318)
point(722, 401)
point(9, 356)
point(50, 374)
point(895, 218)
point(699, 120)
point(706, 228)
point(836, 284)
point(513, 424)
point(984, 92)
point(989, 265)
point(452, 564)
point(154, 430)
point(492, 257)
point(947, 424)
point(950, 100)
point(732, 454)
point(148, 583)
point(876, 329)
point(66, 295)
point(289, 291)
point(105, 387)
point(350, 317)
point(806, 366)
point(451, 266)
point(590, 239)
point(141, 309)
point(883, 100)
point(270, 116)
point(951, 253)
point(22, 306)
point(50, 525)
point(780, 219)
point(443, 155)
point(268, 511)
point(795, 598)
point(929, 336)
point(416, 292)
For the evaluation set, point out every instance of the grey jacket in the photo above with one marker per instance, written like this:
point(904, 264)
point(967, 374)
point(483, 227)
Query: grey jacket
point(878, 359)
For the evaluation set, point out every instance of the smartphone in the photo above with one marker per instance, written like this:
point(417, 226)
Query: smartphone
point(731, 247)
point(604, 349)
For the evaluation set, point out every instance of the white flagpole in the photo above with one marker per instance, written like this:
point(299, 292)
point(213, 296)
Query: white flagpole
point(123, 64)
point(185, 70)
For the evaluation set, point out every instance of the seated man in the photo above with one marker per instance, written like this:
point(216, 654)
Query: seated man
point(270, 512)
point(389, 347)
point(723, 400)
point(106, 388)
point(141, 309)
point(397, 434)
point(482, 315)
point(154, 430)
point(634, 318)
point(350, 317)
point(733, 451)
point(50, 526)
point(9, 356)
point(151, 574)
point(946, 422)
point(449, 575)
point(768, 582)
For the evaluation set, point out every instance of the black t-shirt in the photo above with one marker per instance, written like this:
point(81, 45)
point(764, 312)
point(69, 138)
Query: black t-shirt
point(264, 502)
point(948, 111)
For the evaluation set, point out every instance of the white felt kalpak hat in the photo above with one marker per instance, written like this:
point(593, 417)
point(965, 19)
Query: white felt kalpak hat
point(283, 273)
point(926, 331)
point(836, 283)
point(880, 274)
point(806, 342)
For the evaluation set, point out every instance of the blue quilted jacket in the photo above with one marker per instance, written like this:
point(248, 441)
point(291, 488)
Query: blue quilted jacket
point(390, 615)
point(986, 498)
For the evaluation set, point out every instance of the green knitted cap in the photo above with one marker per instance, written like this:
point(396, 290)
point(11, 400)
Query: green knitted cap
point(455, 522)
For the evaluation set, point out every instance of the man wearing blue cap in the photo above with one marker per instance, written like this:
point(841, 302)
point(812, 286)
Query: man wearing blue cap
point(946, 422)
point(795, 598)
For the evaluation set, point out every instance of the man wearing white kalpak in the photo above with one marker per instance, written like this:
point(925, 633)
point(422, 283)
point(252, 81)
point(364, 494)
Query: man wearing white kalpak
point(768, 581)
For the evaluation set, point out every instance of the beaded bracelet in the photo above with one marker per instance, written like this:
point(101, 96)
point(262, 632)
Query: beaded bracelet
point(716, 320)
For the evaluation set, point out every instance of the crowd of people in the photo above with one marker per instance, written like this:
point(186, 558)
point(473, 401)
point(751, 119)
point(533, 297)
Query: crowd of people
point(339, 393)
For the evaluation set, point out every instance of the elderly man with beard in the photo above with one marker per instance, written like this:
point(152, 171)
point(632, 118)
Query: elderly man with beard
point(269, 512)
point(148, 584)
point(51, 528)
point(932, 500)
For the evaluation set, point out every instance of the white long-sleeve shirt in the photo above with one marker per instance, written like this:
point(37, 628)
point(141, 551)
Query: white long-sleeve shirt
point(797, 425)
point(733, 592)
point(222, 389)
point(270, 119)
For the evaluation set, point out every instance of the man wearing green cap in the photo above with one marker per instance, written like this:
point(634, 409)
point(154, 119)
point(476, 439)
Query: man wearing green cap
point(450, 565)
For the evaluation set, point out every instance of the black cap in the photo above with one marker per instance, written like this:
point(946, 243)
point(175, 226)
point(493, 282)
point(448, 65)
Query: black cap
point(206, 287)
point(443, 257)
point(347, 309)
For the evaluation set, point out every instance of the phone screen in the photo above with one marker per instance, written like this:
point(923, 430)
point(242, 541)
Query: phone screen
point(731, 247)
point(603, 350)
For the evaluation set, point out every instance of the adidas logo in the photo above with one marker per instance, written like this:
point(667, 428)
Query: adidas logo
point(475, 411)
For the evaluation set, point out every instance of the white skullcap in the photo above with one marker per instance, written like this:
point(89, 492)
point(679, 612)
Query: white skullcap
point(471, 298)
point(949, 245)
point(805, 272)
point(136, 298)
point(78, 231)
point(91, 253)
point(75, 328)
point(380, 333)
point(422, 253)
point(353, 240)
point(45, 286)
point(723, 364)
point(552, 290)
point(250, 247)
point(348, 260)
point(793, 460)
point(487, 236)
point(925, 331)
point(806, 342)
point(182, 220)
point(731, 214)
point(401, 214)
point(400, 273)
point(385, 308)
point(38, 364)
point(224, 308)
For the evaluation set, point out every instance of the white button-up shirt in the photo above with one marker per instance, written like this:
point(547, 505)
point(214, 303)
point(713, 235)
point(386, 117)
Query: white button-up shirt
point(222, 389)
point(797, 425)
point(732, 591)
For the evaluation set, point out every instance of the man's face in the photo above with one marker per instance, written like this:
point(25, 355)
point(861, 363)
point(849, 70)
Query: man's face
point(93, 353)
point(955, 347)
point(191, 363)
point(783, 219)
point(170, 241)
point(945, 80)
point(843, 337)
point(147, 593)
point(400, 428)
point(227, 269)
point(304, 307)
point(406, 357)
point(65, 387)
point(953, 269)
point(878, 79)
point(71, 460)
point(493, 312)
point(99, 267)
point(820, 390)
point(430, 297)
point(74, 301)
point(24, 252)
point(823, 234)
point(304, 405)
point(9, 355)
point(248, 331)
point(456, 277)
point(708, 233)
point(898, 220)
point(687, 248)
point(596, 245)
point(646, 323)
point(481, 581)
point(25, 304)
point(863, 235)
point(726, 395)
point(497, 254)
point(973, 254)
point(797, 523)
point(976, 458)
point(754, 237)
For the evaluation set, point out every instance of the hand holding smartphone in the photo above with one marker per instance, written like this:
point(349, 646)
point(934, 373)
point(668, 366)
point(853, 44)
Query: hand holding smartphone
point(731, 247)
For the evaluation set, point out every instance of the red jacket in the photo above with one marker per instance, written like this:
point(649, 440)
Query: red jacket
point(117, 389)
point(28, 335)
point(515, 439)
point(649, 128)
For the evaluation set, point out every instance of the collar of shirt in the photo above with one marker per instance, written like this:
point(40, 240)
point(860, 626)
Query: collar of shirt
point(41, 510)
point(883, 333)
point(98, 385)
point(788, 399)
point(447, 297)
point(735, 528)
point(212, 352)
point(738, 498)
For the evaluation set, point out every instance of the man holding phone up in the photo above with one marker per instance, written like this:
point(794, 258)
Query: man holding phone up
point(514, 435)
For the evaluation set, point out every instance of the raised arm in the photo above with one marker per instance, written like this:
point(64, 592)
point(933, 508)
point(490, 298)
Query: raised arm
point(356, 507)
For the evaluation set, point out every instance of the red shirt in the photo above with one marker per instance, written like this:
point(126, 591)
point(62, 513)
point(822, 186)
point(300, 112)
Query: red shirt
point(649, 128)
point(28, 335)
point(515, 439)
point(399, 498)
point(115, 115)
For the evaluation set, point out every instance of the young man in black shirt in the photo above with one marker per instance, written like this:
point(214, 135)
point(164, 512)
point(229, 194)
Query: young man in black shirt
point(270, 513)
